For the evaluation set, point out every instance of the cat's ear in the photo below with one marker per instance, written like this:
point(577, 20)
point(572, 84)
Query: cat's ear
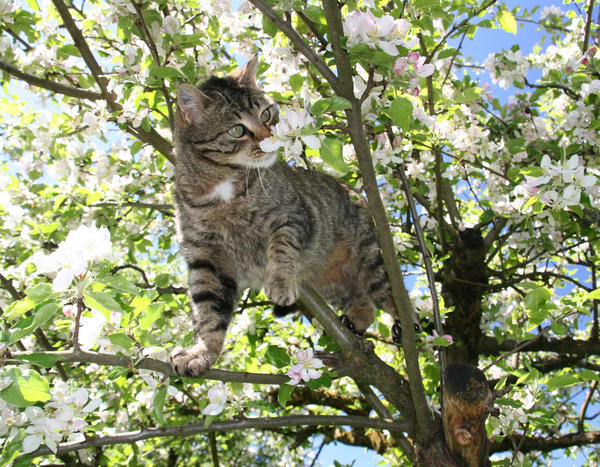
point(191, 103)
point(246, 76)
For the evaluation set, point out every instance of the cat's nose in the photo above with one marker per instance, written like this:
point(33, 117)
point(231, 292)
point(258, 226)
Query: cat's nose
point(263, 133)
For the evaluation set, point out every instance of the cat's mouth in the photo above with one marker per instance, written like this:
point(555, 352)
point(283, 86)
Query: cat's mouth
point(259, 159)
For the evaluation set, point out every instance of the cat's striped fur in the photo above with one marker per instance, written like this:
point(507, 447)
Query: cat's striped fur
point(245, 220)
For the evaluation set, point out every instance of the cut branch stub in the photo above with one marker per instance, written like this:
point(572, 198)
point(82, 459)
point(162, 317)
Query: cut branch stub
point(466, 402)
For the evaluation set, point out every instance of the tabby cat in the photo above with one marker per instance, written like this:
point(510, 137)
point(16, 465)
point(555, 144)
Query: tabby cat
point(246, 220)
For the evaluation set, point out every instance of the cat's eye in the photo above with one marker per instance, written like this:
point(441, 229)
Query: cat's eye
point(265, 116)
point(237, 131)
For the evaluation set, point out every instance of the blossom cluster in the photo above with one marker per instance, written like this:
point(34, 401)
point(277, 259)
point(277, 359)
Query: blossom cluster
point(507, 67)
point(561, 184)
point(385, 31)
point(62, 417)
point(296, 126)
point(74, 255)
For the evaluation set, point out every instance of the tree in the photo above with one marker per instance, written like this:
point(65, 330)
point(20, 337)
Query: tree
point(490, 208)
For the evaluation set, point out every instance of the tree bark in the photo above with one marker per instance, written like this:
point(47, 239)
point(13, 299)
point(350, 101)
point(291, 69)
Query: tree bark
point(466, 402)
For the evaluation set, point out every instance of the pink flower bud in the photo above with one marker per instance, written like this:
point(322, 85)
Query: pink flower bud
point(592, 51)
point(401, 65)
point(413, 57)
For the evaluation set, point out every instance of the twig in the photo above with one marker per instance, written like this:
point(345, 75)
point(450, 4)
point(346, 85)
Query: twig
point(584, 407)
point(318, 452)
point(588, 23)
point(152, 137)
point(437, 318)
point(214, 455)
point(457, 27)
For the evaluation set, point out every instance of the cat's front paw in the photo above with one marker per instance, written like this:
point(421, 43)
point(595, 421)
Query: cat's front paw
point(191, 361)
point(282, 291)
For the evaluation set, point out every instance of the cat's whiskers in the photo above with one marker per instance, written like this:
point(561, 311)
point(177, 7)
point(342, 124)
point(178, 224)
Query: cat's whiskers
point(260, 179)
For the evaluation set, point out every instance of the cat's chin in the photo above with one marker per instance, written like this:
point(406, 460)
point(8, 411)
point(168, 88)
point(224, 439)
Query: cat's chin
point(266, 161)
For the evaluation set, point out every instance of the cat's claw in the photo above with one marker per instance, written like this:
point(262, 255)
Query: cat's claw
point(191, 361)
point(397, 331)
point(281, 291)
point(350, 325)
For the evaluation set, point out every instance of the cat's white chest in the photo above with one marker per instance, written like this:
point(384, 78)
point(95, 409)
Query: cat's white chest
point(224, 191)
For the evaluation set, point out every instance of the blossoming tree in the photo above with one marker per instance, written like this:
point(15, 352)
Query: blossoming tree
point(486, 212)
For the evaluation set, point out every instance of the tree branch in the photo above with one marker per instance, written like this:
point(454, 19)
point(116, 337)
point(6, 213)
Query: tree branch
point(545, 443)
point(588, 23)
point(377, 209)
point(243, 424)
point(566, 345)
point(297, 40)
point(146, 363)
point(48, 84)
point(151, 137)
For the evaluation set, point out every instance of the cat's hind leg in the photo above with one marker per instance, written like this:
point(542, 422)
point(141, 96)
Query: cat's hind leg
point(359, 315)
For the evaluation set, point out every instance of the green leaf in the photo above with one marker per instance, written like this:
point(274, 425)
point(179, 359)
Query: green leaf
point(122, 340)
point(277, 356)
point(562, 381)
point(401, 112)
point(116, 372)
point(507, 21)
point(315, 14)
point(593, 295)
point(285, 394)
point(536, 297)
point(158, 404)
point(17, 309)
point(33, 4)
point(41, 359)
point(27, 325)
point(209, 419)
point(331, 152)
point(39, 293)
point(329, 104)
point(45, 312)
point(323, 381)
point(532, 171)
point(589, 375)
point(103, 302)
point(26, 390)
point(119, 283)
point(296, 81)
point(166, 72)
point(150, 315)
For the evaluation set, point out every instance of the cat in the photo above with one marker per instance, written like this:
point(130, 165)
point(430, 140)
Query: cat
point(244, 219)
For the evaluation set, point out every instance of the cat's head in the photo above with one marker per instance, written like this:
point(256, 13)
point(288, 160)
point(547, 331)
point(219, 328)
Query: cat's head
point(225, 120)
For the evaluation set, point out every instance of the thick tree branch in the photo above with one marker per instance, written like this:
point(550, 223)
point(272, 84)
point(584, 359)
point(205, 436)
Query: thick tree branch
point(377, 209)
point(243, 424)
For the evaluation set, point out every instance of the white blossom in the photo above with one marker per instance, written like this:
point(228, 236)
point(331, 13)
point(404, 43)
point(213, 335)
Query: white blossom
point(217, 395)
point(306, 368)
point(82, 247)
point(294, 128)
